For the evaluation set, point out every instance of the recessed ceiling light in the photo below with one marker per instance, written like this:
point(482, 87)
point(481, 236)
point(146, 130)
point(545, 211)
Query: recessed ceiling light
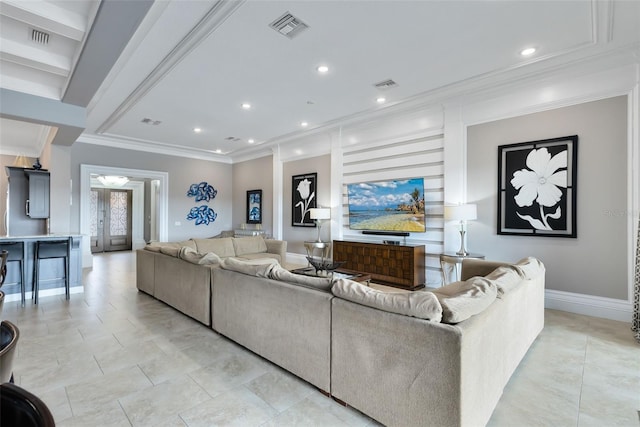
point(197, 130)
point(381, 100)
point(304, 124)
point(322, 69)
point(218, 151)
point(528, 51)
point(251, 140)
point(246, 106)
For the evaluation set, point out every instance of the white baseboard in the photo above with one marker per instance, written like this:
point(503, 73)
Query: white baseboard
point(44, 293)
point(607, 308)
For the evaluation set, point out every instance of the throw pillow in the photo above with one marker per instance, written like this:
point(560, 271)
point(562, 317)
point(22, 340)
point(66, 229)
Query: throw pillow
point(461, 300)
point(254, 267)
point(194, 257)
point(530, 267)
point(284, 275)
point(423, 305)
point(505, 278)
point(169, 250)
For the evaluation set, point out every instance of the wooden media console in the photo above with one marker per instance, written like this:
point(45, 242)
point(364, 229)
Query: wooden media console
point(402, 266)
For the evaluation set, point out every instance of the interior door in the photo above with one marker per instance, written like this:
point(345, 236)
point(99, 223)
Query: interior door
point(97, 219)
point(111, 220)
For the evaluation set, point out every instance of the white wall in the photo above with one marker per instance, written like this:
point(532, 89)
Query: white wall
point(566, 88)
point(595, 262)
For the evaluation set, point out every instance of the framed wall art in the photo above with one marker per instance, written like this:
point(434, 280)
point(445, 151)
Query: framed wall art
point(254, 207)
point(537, 187)
point(303, 198)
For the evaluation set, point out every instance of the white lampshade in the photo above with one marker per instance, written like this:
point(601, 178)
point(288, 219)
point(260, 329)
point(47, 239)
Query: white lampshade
point(320, 213)
point(460, 212)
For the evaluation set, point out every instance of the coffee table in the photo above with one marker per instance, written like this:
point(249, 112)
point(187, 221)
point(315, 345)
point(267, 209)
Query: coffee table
point(340, 273)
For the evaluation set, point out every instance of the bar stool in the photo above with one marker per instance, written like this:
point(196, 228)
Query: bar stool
point(16, 254)
point(48, 249)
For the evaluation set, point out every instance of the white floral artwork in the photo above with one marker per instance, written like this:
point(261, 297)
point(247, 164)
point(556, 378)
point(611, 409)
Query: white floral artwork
point(536, 194)
point(540, 183)
point(304, 198)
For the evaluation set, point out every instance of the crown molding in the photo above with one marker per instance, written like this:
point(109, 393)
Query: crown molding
point(219, 13)
point(152, 147)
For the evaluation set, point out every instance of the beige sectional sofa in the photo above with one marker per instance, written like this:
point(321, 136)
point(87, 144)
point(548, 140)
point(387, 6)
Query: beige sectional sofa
point(167, 272)
point(438, 358)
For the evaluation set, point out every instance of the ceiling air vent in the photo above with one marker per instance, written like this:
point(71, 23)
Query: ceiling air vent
point(288, 25)
point(385, 84)
point(152, 122)
point(39, 37)
point(232, 139)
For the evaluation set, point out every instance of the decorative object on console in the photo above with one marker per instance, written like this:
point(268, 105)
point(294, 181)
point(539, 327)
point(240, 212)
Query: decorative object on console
point(202, 192)
point(324, 265)
point(537, 187)
point(318, 215)
point(303, 199)
point(462, 213)
point(254, 207)
point(37, 164)
point(202, 215)
point(113, 180)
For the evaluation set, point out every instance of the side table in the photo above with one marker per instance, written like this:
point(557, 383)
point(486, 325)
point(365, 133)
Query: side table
point(451, 265)
point(313, 246)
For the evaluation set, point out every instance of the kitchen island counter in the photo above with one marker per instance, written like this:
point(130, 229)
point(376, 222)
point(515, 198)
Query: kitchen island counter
point(51, 270)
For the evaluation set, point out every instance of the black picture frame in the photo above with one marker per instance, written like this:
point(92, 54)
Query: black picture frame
point(254, 207)
point(537, 183)
point(303, 198)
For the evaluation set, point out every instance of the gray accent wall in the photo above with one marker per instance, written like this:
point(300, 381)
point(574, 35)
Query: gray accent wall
point(182, 173)
point(595, 263)
point(296, 236)
point(254, 174)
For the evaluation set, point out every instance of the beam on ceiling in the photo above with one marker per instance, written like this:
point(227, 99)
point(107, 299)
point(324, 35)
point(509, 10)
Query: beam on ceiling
point(70, 120)
point(46, 16)
point(115, 23)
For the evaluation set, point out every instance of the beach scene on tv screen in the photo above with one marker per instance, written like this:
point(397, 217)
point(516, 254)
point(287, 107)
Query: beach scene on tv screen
point(394, 205)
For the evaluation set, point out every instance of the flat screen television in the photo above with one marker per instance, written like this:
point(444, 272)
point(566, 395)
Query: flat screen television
point(393, 205)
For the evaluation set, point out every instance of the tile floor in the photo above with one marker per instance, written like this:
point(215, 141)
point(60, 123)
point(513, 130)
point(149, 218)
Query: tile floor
point(116, 357)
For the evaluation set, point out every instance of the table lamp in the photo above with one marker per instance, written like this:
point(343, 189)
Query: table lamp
point(462, 213)
point(318, 214)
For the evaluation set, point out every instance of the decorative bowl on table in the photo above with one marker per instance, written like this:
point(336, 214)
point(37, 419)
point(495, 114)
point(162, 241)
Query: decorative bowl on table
point(327, 265)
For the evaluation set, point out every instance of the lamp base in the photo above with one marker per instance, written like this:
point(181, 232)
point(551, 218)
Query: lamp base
point(462, 251)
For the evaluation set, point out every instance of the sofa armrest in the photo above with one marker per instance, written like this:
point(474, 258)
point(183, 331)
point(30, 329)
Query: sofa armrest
point(278, 247)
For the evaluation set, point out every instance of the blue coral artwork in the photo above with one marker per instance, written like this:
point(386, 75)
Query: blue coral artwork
point(202, 192)
point(203, 215)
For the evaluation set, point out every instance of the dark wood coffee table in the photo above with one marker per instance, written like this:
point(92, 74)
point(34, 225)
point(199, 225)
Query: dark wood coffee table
point(340, 273)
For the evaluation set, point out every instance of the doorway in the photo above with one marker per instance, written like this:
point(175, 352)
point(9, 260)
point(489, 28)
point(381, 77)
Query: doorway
point(111, 220)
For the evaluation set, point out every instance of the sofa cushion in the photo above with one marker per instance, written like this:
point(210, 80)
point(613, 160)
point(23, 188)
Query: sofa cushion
point(423, 305)
point(261, 255)
point(190, 255)
point(284, 275)
point(223, 247)
point(155, 246)
point(249, 245)
point(255, 267)
point(505, 278)
point(461, 300)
